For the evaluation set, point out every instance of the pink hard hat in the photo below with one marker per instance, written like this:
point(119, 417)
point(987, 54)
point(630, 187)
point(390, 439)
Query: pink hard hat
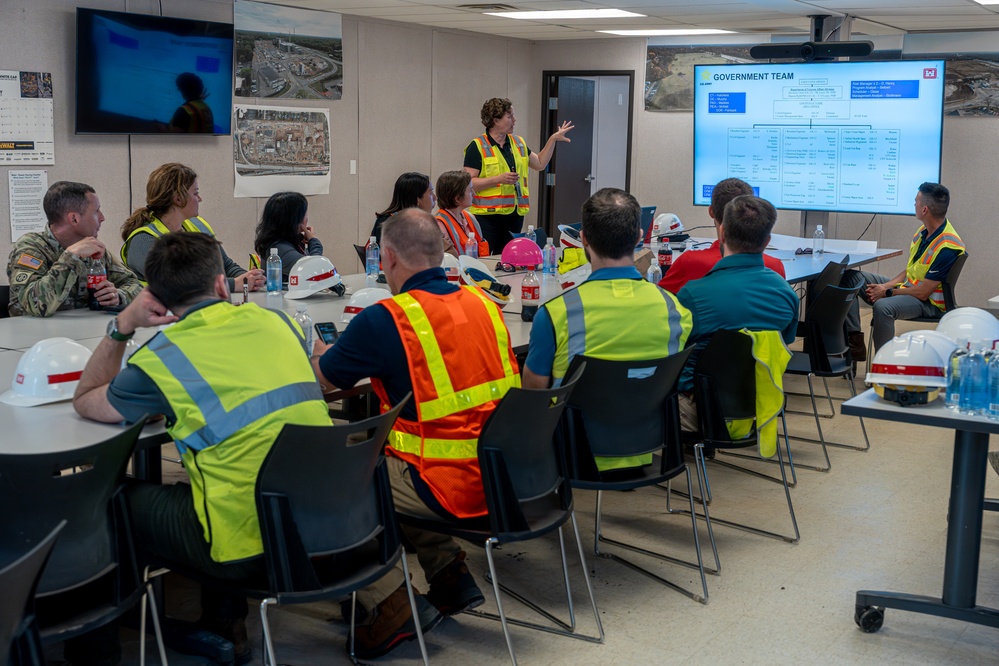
point(522, 252)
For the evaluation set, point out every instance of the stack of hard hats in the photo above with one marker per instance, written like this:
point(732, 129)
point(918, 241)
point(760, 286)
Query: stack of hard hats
point(972, 324)
point(911, 369)
point(361, 299)
point(569, 236)
point(48, 372)
point(474, 272)
point(310, 275)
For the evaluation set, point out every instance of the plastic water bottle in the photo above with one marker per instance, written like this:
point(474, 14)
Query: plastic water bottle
point(818, 240)
point(131, 346)
point(372, 259)
point(654, 247)
point(472, 247)
point(96, 276)
point(531, 235)
point(654, 274)
point(550, 260)
point(993, 368)
point(974, 379)
point(305, 321)
point(530, 296)
point(550, 287)
point(953, 396)
point(274, 272)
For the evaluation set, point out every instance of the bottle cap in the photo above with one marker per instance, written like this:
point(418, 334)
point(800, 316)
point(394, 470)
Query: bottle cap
point(273, 251)
point(818, 227)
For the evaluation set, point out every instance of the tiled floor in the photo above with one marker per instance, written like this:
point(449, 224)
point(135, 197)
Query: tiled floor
point(876, 521)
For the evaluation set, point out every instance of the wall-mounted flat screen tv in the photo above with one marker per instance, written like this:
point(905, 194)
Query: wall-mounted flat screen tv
point(141, 74)
point(854, 137)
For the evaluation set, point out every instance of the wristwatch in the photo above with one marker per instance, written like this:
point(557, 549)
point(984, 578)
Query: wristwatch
point(889, 292)
point(115, 335)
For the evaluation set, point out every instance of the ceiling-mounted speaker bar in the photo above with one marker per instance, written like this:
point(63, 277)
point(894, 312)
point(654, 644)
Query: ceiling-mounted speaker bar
point(809, 51)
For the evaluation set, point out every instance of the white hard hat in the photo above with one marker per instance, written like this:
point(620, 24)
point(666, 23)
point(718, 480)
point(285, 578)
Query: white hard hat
point(310, 275)
point(477, 274)
point(361, 299)
point(909, 370)
point(451, 267)
point(569, 236)
point(576, 276)
point(666, 224)
point(971, 323)
point(48, 372)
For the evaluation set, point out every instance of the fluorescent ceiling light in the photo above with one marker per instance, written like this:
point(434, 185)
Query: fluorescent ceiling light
point(677, 31)
point(569, 14)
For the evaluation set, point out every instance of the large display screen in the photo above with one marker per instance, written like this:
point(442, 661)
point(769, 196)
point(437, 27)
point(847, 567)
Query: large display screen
point(831, 136)
point(140, 74)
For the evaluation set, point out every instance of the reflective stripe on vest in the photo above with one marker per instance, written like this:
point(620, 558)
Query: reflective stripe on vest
point(502, 199)
point(917, 269)
point(198, 224)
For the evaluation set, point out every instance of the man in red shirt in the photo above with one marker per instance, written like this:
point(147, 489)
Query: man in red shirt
point(695, 264)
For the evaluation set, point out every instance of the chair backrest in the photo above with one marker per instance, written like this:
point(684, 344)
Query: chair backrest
point(82, 486)
point(623, 409)
point(521, 462)
point(950, 298)
point(725, 384)
point(825, 318)
point(362, 254)
point(831, 274)
point(319, 492)
point(4, 301)
point(18, 581)
point(648, 214)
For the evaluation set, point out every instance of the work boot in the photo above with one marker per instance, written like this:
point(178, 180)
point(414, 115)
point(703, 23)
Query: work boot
point(393, 624)
point(858, 350)
point(233, 631)
point(452, 589)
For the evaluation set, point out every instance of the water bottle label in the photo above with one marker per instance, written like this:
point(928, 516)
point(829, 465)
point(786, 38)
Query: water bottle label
point(530, 293)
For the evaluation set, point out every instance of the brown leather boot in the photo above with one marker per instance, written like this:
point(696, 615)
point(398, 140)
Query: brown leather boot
point(393, 624)
point(858, 350)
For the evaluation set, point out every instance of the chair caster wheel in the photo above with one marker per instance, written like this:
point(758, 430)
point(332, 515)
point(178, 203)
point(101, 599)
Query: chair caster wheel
point(869, 618)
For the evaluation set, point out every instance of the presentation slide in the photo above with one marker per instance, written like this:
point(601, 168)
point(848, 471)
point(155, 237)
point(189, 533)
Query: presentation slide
point(831, 136)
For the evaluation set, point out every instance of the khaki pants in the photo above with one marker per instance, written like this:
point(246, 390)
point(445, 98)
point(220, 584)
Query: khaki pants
point(688, 413)
point(434, 551)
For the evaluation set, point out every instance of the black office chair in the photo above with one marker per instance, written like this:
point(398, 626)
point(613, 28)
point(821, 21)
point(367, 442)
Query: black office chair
point(20, 644)
point(362, 255)
point(528, 495)
point(326, 518)
point(827, 354)
point(4, 301)
point(93, 563)
point(629, 408)
point(725, 391)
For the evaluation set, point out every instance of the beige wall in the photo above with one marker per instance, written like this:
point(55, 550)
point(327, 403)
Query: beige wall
point(403, 80)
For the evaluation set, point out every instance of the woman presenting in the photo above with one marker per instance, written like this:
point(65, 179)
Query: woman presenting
point(498, 162)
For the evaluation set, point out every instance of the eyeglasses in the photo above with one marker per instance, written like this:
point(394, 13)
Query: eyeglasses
point(803, 250)
point(506, 268)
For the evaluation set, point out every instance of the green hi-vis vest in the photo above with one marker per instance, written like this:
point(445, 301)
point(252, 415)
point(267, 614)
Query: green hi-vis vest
point(917, 267)
point(156, 228)
point(229, 411)
point(617, 320)
point(502, 199)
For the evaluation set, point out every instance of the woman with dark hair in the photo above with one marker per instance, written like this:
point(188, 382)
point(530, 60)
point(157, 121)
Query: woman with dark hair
point(412, 190)
point(284, 224)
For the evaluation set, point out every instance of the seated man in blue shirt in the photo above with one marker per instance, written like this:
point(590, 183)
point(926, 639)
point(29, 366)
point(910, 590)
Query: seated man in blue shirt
point(917, 290)
point(739, 292)
point(614, 314)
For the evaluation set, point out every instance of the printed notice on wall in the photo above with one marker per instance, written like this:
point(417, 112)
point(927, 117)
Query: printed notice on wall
point(27, 135)
point(27, 189)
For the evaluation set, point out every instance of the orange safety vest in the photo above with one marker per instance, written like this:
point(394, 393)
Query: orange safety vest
point(502, 199)
point(461, 364)
point(917, 268)
point(457, 233)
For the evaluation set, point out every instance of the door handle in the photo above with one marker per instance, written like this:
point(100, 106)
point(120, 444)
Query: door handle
point(590, 178)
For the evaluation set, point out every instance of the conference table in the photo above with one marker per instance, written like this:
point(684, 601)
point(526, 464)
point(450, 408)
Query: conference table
point(964, 517)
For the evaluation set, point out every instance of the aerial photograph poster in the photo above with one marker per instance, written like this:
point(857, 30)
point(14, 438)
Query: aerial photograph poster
point(281, 148)
point(287, 53)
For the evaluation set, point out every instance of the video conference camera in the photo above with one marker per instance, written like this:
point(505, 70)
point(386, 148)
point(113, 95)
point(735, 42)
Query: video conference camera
point(809, 51)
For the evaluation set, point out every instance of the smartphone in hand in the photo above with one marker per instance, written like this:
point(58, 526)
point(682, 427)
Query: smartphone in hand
point(326, 330)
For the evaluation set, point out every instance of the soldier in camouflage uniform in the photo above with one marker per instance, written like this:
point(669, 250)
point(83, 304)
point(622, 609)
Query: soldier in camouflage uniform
point(48, 270)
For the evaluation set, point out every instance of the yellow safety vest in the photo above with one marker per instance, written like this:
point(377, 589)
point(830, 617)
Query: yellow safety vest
point(502, 199)
point(610, 320)
point(156, 228)
point(917, 268)
point(229, 414)
point(771, 356)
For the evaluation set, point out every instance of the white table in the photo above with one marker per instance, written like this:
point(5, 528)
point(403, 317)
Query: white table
point(964, 517)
